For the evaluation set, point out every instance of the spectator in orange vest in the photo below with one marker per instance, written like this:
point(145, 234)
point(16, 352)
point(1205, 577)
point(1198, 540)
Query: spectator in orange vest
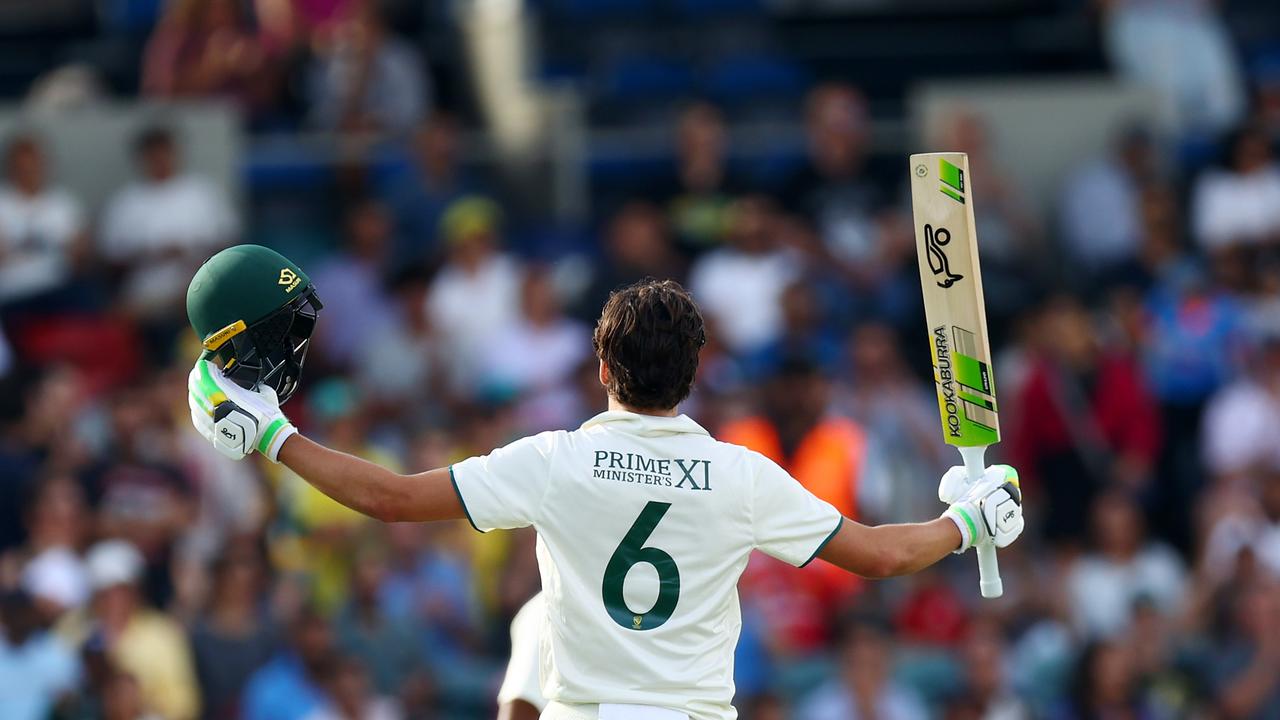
point(827, 454)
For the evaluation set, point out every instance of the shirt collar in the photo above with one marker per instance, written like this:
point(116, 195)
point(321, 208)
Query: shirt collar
point(645, 425)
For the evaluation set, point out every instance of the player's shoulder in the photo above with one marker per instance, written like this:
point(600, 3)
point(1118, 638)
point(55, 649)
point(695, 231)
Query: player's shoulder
point(544, 442)
point(733, 451)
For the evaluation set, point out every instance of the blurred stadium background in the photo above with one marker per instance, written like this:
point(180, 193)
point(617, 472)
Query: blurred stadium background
point(465, 181)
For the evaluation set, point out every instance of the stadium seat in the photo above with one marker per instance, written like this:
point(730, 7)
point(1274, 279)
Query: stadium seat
point(646, 78)
point(716, 8)
point(747, 77)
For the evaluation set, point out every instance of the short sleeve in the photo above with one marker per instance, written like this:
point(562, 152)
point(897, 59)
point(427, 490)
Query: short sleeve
point(504, 489)
point(790, 523)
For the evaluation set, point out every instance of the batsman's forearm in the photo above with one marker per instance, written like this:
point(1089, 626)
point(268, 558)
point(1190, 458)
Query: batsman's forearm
point(371, 489)
point(891, 550)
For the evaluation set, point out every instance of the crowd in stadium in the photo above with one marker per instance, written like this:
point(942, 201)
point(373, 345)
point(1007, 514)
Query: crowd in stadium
point(1137, 341)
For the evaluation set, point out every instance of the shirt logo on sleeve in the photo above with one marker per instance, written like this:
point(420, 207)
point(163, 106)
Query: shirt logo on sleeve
point(682, 473)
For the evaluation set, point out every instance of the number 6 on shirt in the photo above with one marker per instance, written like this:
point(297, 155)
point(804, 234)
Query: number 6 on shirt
point(631, 552)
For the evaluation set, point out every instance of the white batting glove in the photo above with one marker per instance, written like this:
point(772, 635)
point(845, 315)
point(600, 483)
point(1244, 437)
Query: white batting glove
point(235, 420)
point(990, 509)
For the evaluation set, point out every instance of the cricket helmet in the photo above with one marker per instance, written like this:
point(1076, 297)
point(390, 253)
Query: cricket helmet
point(254, 312)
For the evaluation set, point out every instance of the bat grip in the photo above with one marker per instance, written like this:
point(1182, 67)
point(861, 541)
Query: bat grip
point(988, 567)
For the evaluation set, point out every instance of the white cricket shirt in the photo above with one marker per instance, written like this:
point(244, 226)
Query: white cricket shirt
point(644, 526)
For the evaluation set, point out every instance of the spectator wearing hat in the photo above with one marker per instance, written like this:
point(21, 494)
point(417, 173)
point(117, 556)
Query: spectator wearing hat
point(420, 196)
point(477, 292)
point(142, 642)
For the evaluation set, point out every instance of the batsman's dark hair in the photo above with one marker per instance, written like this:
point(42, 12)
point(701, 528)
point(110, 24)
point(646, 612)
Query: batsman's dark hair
point(649, 336)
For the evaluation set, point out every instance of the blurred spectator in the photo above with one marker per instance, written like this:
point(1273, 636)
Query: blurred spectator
point(1014, 255)
point(57, 522)
point(1164, 662)
point(833, 190)
point(825, 452)
point(234, 636)
point(158, 229)
point(828, 455)
point(351, 697)
point(142, 493)
point(141, 642)
point(1243, 524)
point(900, 415)
point(1087, 420)
point(365, 79)
point(535, 356)
point(1104, 685)
point(387, 646)
point(1246, 666)
point(122, 699)
point(317, 531)
point(292, 685)
point(1241, 420)
point(42, 227)
point(986, 695)
point(1182, 49)
point(429, 585)
point(1182, 315)
point(400, 364)
point(1101, 203)
point(351, 286)
point(1124, 567)
point(477, 292)
point(739, 287)
point(36, 668)
point(286, 23)
point(805, 331)
point(419, 197)
point(864, 688)
point(207, 48)
point(39, 435)
point(637, 244)
point(1238, 205)
point(700, 190)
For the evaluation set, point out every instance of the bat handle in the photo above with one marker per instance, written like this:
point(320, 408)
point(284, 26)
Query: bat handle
point(988, 567)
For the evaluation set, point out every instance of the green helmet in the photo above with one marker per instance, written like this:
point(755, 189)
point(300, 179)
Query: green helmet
point(254, 312)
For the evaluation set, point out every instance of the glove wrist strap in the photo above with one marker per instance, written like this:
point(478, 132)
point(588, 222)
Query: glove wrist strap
point(965, 524)
point(273, 438)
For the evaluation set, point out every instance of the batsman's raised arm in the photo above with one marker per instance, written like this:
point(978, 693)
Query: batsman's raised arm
point(238, 421)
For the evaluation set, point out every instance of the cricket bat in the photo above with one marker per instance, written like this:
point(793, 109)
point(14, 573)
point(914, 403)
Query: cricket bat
point(947, 253)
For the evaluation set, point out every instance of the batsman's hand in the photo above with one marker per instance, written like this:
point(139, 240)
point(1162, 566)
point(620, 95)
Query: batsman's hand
point(235, 420)
point(989, 509)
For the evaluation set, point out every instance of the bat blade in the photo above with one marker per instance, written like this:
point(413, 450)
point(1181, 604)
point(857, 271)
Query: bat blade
point(951, 280)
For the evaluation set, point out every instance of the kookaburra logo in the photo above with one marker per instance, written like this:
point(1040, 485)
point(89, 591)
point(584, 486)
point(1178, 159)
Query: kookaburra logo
point(934, 242)
point(228, 434)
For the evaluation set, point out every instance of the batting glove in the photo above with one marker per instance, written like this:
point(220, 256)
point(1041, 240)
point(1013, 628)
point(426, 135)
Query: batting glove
point(237, 421)
point(990, 509)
